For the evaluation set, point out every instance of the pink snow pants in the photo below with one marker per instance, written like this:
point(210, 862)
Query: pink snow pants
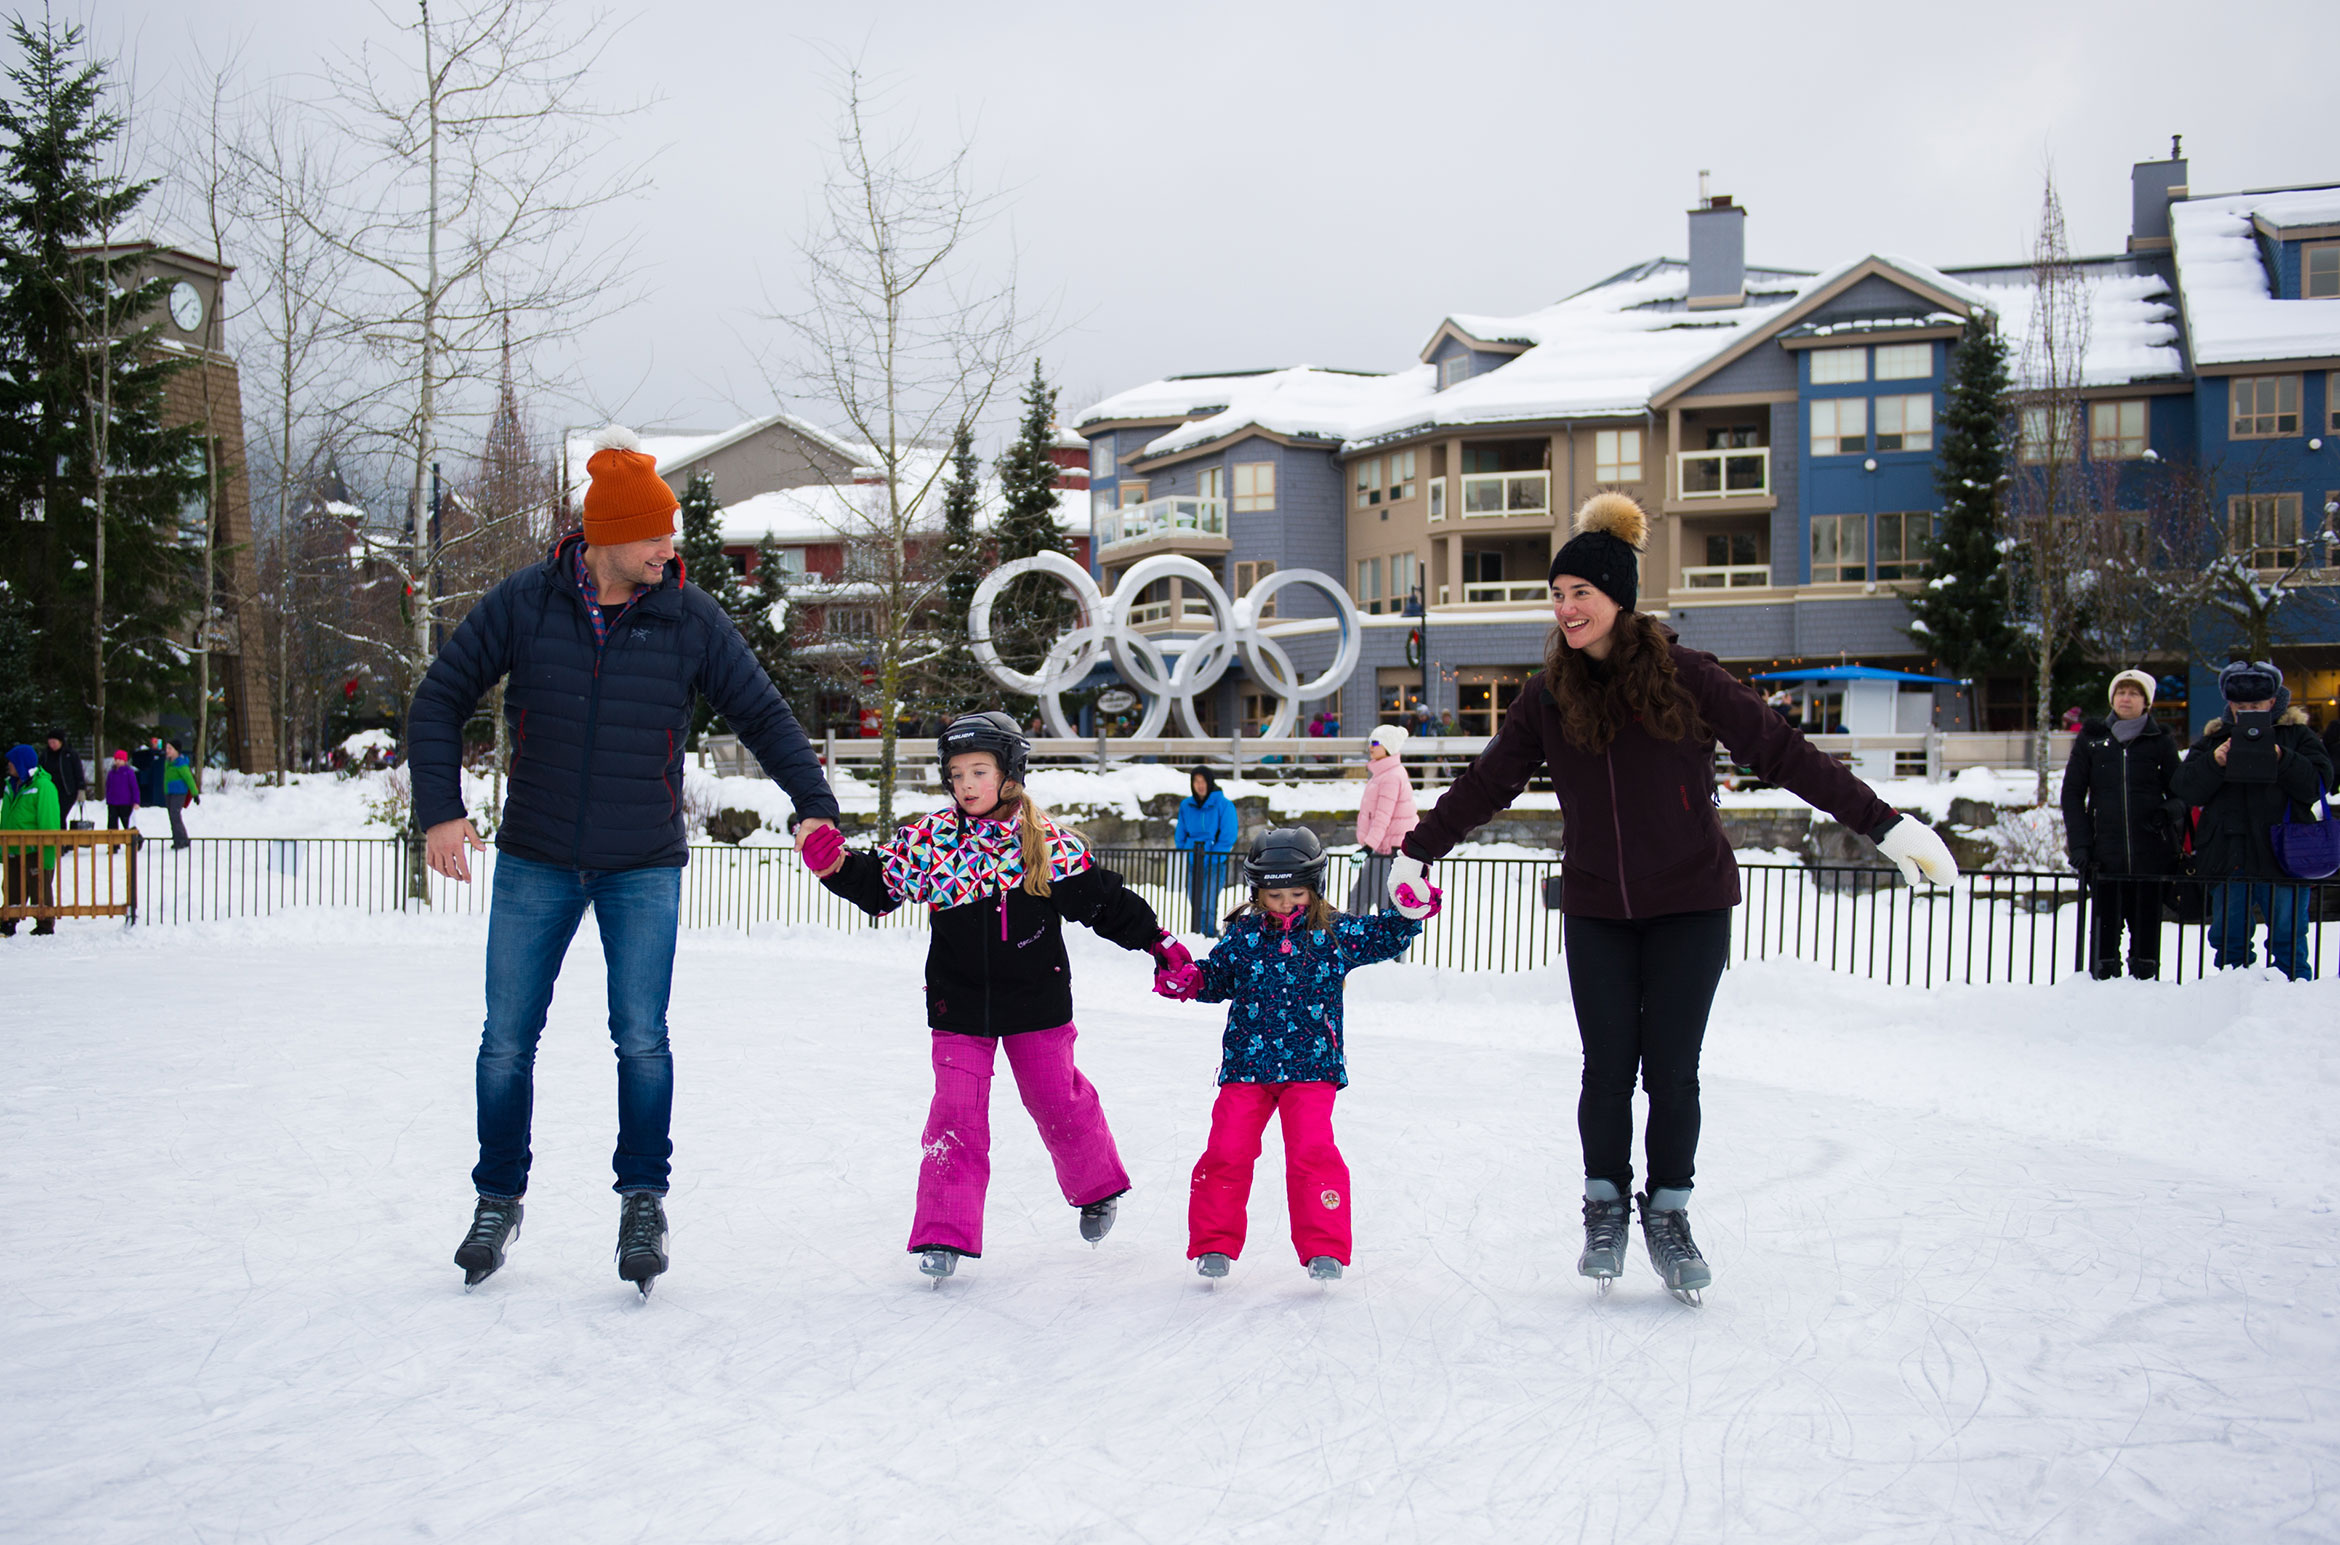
point(1316, 1177)
point(956, 1168)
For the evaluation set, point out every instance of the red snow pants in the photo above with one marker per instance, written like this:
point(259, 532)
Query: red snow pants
point(955, 1170)
point(1316, 1177)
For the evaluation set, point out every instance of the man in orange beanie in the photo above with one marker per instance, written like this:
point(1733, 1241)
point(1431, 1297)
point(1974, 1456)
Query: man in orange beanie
point(606, 649)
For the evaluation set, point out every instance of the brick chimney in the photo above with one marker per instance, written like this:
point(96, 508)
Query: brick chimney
point(2153, 187)
point(1718, 253)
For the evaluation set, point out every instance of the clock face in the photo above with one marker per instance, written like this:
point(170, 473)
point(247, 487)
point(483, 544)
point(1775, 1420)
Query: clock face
point(186, 306)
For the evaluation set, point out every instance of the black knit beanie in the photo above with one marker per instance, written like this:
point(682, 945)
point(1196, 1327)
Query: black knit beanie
point(1606, 550)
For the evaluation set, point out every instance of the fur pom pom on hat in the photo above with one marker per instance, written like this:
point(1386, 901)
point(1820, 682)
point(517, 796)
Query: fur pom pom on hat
point(1606, 550)
point(625, 498)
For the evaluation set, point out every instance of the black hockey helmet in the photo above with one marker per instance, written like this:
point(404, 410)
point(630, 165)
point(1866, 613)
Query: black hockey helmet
point(1285, 856)
point(991, 731)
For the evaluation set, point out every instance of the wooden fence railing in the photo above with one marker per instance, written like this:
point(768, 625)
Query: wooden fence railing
point(48, 875)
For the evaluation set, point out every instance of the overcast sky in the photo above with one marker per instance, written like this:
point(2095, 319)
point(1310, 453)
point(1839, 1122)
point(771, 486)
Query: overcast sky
point(1213, 186)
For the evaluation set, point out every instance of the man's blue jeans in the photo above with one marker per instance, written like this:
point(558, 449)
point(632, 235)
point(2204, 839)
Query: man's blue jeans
point(532, 918)
point(2285, 907)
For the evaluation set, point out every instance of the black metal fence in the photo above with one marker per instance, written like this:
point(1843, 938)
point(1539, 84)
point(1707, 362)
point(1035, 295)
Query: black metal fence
point(2031, 927)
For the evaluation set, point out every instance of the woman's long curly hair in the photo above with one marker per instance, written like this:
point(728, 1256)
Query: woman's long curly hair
point(1636, 682)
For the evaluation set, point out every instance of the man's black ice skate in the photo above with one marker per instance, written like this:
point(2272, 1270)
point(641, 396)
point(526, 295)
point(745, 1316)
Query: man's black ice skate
point(1607, 1216)
point(938, 1262)
point(1212, 1264)
point(1324, 1268)
point(495, 1223)
point(1665, 1228)
point(641, 1246)
point(1097, 1217)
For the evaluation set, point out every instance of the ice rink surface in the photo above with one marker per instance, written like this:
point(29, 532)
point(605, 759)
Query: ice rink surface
point(2038, 1264)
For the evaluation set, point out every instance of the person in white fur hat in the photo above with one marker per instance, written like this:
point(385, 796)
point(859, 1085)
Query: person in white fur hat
point(1384, 816)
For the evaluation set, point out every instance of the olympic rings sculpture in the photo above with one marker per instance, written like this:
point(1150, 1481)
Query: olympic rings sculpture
point(1103, 628)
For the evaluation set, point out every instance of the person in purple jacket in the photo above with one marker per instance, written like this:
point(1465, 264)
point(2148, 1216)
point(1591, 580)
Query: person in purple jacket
point(1624, 719)
point(121, 793)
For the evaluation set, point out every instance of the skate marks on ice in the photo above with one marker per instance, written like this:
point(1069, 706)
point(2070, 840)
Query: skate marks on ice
point(1919, 1327)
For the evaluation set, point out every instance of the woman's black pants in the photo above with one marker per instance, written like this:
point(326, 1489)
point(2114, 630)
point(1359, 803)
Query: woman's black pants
point(1643, 988)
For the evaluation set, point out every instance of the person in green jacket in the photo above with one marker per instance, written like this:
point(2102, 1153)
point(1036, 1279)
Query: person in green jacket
point(28, 803)
point(178, 789)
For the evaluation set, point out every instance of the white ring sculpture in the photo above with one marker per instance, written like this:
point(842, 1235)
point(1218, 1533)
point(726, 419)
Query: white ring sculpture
point(1103, 627)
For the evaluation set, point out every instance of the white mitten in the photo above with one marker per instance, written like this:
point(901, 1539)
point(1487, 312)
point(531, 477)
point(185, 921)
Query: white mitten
point(1410, 890)
point(1919, 854)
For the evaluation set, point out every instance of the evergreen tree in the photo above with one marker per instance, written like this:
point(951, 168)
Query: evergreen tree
point(704, 565)
point(82, 425)
point(1961, 614)
point(28, 708)
point(1034, 610)
point(959, 684)
point(768, 622)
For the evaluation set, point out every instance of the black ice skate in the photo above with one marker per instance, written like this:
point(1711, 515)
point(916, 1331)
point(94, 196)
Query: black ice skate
point(1607, 1216)
point(1097, 1217)
point(1665, 1228)
point(641, 1246)
point(938, 1262)
point(1324, 1268)
point(494, 1225)
point(1212, 1264)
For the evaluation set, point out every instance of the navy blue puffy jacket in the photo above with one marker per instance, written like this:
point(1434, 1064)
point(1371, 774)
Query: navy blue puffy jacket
point(597, 734)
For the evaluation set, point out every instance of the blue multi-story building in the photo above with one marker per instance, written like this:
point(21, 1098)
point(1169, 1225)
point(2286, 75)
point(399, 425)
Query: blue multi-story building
point(1779, 425)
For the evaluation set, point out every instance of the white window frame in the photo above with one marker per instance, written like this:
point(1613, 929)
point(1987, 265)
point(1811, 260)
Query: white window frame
point(1438, 498)
point(1838, 528)
point(1840, 367)
point(1829, 421)
point(1101, 462)
point(1905, 362)
point(1255, 486)
point(1211, 483)
point(2117, 430)
point(1616, 455)
point(2262, 413)
point(1911, 419)
point(1454, 370)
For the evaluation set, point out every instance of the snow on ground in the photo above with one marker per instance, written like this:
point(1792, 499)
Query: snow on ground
point(1992, 1263)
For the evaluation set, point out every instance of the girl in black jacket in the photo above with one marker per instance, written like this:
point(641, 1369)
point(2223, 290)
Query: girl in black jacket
point(2121, 824)
point(1001, 879)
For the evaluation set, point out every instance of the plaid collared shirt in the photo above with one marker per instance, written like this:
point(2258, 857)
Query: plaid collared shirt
point(592, 595)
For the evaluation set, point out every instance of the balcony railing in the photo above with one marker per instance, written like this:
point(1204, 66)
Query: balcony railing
point(1532, 591)
point(1491, 494)
point(1157, 614)
point(1727, 576)
point(1172, 515)
point(1744, 473)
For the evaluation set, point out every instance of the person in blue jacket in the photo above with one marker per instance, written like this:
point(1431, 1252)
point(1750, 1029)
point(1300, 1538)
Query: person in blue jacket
point(607, 650)
point(1206, 835)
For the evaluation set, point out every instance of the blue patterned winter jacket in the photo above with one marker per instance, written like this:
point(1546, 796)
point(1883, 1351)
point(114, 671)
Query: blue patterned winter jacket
point(1282, 984)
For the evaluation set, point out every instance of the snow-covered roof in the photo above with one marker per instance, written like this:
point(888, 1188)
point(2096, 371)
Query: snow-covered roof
point(2232, 316)
point(1306, 401)
point(676, 449)
point(2132, 324)
point(830, 512)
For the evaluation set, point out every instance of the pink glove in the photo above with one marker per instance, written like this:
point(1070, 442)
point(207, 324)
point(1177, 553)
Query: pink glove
point(1410, 890)
point(822, 847)
point(1175, 973)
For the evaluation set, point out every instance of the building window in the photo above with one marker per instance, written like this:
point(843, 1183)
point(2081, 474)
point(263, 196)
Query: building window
point(1132, 493)
point(1258, 709)
point(1836, 367)
point(1902, 541)
point(1403, 571)
point(2133, 530)
point(1211, 483)
point(1368, 590)
point(2332, 403)
point(2263, 407)
point(2264, 528)
point(1438, 498)
point(2116, 431)
point(1731, 437)
point(1100, 506)
point(1255, 485)
point(1904, 361)
point(2040, 439)
point(1249, 572)
point(1616, 455)
point(1101, 456)
point(1840, 425)
point(1840, 548)
point(1905, 423)
point(1734, 549)
point(1401, 476)
point(1452, 370)
point(2319, 273)
point(1369, 483)
point(849, 622)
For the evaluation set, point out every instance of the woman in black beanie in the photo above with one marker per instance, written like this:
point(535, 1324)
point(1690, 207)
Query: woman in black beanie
point(1624, 719)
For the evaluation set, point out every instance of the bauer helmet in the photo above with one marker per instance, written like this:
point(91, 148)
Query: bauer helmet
point(992, 731)
point(1285, 856)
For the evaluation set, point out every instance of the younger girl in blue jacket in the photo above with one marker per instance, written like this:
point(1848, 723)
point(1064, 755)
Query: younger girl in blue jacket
point(1280, 970)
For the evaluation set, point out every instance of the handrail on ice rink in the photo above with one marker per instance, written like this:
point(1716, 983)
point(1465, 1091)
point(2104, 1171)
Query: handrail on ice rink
point(2024, 926)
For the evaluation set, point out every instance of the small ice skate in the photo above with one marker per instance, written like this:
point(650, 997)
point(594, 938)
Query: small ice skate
point(1097, 1218)
point(938, 1262)
point(1324, 1268)
point(1212, 1264)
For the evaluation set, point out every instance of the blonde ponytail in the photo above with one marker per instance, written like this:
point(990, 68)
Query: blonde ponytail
point(1032, 827)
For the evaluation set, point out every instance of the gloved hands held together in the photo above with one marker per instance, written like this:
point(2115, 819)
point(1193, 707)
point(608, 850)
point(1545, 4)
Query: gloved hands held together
point(821, 846)
point(1410, 890)
point(1175, 973)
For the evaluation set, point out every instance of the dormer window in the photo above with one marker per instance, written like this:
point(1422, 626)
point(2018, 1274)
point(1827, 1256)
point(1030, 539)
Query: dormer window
point(2319, 273)
point(1457, 368)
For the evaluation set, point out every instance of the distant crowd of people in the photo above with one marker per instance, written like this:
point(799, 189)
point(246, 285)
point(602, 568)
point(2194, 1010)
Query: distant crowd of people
point(41, 790)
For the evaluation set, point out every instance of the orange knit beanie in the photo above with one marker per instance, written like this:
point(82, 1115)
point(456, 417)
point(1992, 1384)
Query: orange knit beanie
point(626, 500)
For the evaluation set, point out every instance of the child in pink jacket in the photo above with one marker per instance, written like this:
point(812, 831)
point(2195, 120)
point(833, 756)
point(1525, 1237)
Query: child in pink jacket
point(1384, 816)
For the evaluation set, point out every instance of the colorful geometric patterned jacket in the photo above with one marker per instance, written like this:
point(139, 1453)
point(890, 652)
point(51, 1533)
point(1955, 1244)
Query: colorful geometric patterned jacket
point(1282, 980)
point(995, 961)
